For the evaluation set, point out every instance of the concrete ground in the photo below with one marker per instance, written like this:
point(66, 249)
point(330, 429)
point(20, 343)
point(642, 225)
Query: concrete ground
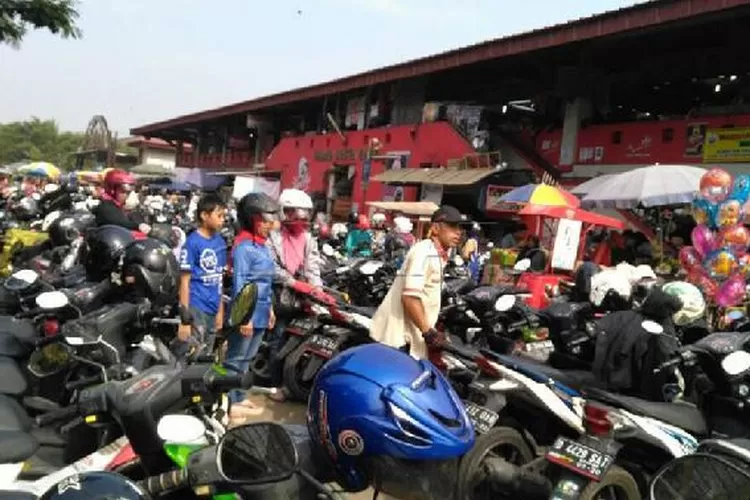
point(291, 413)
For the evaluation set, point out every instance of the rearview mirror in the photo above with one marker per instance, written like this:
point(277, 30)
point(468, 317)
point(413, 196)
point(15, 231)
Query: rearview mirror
point(51, 300)
point(243, 305)
point(736, 363)
point(685, 477)
point(257, 453)
point(327, 250)
point(505, 303)
point(652, 327)
point(20, 280)
point(370, 267)
point(182, 429)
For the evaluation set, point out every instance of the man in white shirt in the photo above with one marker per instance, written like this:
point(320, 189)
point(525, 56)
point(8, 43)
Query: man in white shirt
point(407, 316)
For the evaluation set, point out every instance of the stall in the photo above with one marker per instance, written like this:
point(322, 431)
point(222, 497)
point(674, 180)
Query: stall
point(418, 211)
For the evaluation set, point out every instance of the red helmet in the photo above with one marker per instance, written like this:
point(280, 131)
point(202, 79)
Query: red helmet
point(116, 179)
point(363, 222)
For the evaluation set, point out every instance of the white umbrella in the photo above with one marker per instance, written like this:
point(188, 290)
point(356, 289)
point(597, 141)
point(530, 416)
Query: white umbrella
point(585, 187)
point(653, 186)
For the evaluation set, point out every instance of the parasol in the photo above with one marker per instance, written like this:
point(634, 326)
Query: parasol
point(586, 187)
point(653, 186)
point(40, 169)
point(560, 212)
point(541, 194)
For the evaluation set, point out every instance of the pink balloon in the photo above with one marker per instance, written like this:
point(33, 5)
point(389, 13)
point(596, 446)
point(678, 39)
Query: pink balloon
point(731, 292)
point(689, 258)
point(704, 240)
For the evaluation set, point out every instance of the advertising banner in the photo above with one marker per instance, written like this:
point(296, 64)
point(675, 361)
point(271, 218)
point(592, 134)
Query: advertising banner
point(727, 145)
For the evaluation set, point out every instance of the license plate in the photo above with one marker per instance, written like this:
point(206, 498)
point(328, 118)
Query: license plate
point(301, 326)
point(543, 345)
point(580, 458)
point(324, 346)
point(482, 418)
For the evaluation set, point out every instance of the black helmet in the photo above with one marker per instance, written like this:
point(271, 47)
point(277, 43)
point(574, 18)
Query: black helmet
point(252, 204)
point(104, 247)
point(68, 227)
point(150, 270)
point(95, 486)
point(353, 218)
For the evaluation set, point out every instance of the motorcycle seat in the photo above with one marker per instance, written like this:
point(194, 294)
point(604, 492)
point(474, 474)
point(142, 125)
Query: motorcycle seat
point(12, 415)
point(16, 495)
point(12, 379)
point(23, 329)
point(363, 310)
point(16, 446)
point(686, 416)
point(538, 371)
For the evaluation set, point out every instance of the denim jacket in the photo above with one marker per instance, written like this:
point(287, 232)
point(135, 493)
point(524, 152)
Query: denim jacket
point(253, 263)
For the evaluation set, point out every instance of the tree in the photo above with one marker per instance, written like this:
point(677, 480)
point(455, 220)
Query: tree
point(17, 16)
point(38, 140)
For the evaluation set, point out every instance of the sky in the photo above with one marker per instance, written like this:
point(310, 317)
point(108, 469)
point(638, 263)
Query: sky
point(142, 61)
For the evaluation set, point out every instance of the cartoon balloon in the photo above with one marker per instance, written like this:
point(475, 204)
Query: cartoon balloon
point(743, 265)
point(741, 189)
point(720, 264)
point(699, 278)
point(731, 292)
point(704, 240)
point(689, 258)
point(729, 213)
point(704, 212)
point(736, 238)
point(715, 185)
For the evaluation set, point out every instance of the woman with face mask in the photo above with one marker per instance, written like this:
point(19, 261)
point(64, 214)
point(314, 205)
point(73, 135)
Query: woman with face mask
point(118, 184)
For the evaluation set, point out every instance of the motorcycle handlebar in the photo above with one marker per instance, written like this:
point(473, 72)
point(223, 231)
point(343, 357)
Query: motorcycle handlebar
point(84, 382)
point(680, 358)
point(56, 416)
point(173, 480)
point(216, 382)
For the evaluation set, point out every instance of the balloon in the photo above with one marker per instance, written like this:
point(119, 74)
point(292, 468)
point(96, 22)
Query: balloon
point(689, 258)
point(741, 189)
point(730, 213)
point(699, 278)
point(731, 292)
point(704, 240)
point(704, 212)
point(736, 238)
point(743, 265)
point(720, 264)
point(715, 185)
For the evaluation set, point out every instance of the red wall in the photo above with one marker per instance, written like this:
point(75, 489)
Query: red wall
point(433, 143)
point(640, 143)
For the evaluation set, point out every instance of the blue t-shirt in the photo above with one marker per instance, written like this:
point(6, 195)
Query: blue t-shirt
point(205, 259)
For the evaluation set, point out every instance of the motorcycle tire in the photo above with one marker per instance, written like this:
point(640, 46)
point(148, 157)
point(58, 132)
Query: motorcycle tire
point(618, 477)
point(484, 444)
point(298, 390)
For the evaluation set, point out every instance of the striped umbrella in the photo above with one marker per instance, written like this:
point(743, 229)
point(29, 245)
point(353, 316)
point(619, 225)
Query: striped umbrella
point(541, 194)
point(40, 169)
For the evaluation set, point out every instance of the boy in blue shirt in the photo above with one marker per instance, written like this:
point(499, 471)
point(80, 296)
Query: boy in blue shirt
point(202, 262)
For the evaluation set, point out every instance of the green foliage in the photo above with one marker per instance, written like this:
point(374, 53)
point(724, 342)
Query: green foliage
point(38, 140)
point(18, 16)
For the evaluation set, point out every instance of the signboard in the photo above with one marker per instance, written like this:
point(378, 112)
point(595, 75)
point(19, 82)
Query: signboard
point(727, 145)
point(492, 201)
point(565, 251)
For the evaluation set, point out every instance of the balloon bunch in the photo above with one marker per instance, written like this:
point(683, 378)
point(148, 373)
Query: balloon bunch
point(718, 262)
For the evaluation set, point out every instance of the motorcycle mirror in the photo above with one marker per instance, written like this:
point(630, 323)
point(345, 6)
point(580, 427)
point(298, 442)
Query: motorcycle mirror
point(505, 303)
point(370, 267)
point(652, 327)
point(257, 453)
point(328, 250)
point(51, 300)
point(522, 265)
point(182, 429)
point(680, 477)
point(25, 276)
point(243, 305)
point(736, 363)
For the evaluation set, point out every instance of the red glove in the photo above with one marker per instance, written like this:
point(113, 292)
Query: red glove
point(302, 287)
point(323, 297)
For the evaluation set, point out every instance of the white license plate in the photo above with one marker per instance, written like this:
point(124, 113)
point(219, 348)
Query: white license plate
point(323, 345)
point(580, 458)
point(482, 418)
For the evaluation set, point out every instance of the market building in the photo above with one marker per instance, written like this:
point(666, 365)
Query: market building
point(660, 82)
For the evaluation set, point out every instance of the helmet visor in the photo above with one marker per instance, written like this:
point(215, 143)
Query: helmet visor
point(295, 214)
point(269, 217)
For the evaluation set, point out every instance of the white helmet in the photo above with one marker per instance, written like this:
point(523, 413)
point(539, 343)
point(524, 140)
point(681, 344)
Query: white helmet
point(297, 200)
point(693, 302)
point(378, 219)
point(403, 225)
point(51, 188)
point(338, 230)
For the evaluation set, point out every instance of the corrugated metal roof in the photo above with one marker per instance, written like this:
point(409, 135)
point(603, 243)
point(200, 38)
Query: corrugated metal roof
point(418, 208)
point(442, 176)
point(639, 16)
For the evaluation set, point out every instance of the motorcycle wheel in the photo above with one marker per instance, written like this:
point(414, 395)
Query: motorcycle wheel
point(293, 368)
point(497, 438)
point(616, 480)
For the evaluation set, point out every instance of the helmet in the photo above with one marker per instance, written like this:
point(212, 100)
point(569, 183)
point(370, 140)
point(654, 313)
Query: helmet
point(105, 246)
point(693, 302)
point(363, 222)
point(378, 219)
point(403, 224)
point(66, 228)
point(291, 199)
point(150, 270)
point(117, 179)
point(338, 230)
point(255, 204)
point(95, 486)
point(358, 412)
point(353, 218)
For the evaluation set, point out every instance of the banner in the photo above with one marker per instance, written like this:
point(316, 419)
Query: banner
point(727, 145)
point(565, 251)
point(492, 202)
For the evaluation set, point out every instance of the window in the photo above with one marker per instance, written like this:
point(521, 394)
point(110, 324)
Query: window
point(617, 137)
point(667, 134)
point(355, 114)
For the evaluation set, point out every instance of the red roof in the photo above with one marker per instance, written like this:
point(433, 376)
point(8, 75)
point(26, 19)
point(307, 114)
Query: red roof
point(639, 16)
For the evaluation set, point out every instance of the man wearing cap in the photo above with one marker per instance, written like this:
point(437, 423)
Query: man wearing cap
point(406, 318)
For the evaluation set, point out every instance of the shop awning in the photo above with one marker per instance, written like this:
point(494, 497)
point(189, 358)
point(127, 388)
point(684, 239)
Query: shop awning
point(441, 176)
point(416, 208)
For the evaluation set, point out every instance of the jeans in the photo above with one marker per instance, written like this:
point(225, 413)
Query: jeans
point(240, 352)
point(275, 343)
point(203, 333)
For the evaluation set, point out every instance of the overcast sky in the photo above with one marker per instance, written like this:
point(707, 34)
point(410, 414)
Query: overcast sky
point(142, 61)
